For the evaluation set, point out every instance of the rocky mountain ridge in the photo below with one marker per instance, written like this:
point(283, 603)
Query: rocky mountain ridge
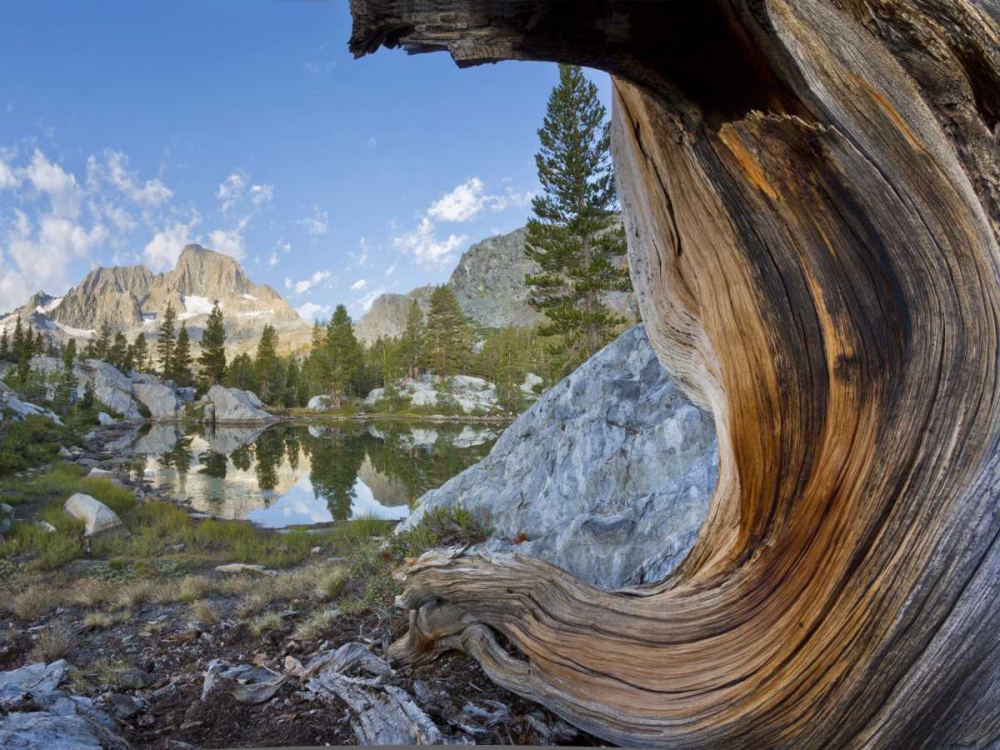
point(133, 299)
point(489, 284)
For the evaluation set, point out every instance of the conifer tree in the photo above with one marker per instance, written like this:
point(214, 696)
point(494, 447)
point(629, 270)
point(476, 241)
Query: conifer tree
point(39, 347)
point(448, 339)
point(102, 348)
point(67, 383)
point(180, 360)
point(413, 343)
point(166, 340)
point(213, 347)
point(18, 343)
point(343, 355)
point(316, 370)
point(4, 346)
point(239, 373)
point(118, 352)
point(266, 368)
point(140, 353)
point(69, 355)
point(574, 235)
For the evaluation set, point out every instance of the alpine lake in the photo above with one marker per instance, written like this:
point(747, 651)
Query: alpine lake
point(304, 475)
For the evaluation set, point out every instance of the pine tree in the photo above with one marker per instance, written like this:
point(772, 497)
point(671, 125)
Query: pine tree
point(39, 346)
point(266, 368)
point(574, 236)
point(449, 341)
point(69, 355)
point(316, 370)
point(213, 347)
point(140, 353)
point(17, 347)
point(102, 348)
point(343, 355)
point(118, 352)
point(412, 344)
point(166, 340)
point(180, 361)
point(67, 383)
point(293, 376)
point(239, 373)
point(4, 346)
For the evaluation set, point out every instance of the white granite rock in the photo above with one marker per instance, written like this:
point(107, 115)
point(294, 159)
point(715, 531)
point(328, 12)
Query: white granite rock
point(609, 475)
point(97, 517)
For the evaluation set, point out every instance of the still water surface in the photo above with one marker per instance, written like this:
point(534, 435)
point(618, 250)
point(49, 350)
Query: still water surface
point(285, 475)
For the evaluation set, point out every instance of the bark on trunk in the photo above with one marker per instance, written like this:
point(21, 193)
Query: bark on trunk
point(811, 198)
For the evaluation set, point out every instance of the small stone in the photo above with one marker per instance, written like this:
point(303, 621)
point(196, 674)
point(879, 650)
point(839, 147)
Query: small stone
point(105, 419)
point(316, 550)
point(125, 706)
point(134, 679)
point(47, 527)
point(240, 568)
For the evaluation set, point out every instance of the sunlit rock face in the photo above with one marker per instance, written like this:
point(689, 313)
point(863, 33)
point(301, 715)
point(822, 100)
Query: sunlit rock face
point(609, 475)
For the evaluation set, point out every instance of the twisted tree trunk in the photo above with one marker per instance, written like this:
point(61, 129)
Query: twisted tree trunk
point(810, 190)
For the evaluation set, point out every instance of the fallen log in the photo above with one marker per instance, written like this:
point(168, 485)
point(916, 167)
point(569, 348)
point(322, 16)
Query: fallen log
point(810, 189)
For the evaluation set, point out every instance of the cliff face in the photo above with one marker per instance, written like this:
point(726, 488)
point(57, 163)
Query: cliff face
point(132, 299)
point(810, 192)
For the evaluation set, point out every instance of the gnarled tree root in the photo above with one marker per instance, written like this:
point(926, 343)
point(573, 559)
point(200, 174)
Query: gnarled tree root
point(810, 189)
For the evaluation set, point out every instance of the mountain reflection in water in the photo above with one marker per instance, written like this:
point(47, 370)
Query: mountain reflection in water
point(286, 474)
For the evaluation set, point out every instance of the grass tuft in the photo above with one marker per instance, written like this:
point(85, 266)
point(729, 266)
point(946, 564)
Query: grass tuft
point(52, 643)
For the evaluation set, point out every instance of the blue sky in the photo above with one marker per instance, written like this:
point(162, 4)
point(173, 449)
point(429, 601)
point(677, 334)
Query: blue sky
point(130, 129)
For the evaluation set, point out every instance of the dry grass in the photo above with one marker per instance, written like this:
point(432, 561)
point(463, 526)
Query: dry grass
point(330, 583)
point(259, 600)
point(135, 593)
point(205, 613)
point(314, 626)
point(192, 588)
point(36, 601)
point(52, 643)
point(265, 623)
point(89, 593)
point(238, 584)
point(103, 620)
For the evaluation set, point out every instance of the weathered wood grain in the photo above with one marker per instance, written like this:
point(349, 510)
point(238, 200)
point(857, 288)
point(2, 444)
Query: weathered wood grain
point(810, 189)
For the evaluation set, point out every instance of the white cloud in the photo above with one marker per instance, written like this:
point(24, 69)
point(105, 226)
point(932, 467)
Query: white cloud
point(368, 300)
point(163, 250)
point(115, 171)
point(390, 270)
point(301, 287)
point(463, 203)
point(317, 224)
point(510, 198)
point(230, 191)
point(59, 185)
point(372, 141)
point(228, 241)
point(272, 259)
point(283, 246)
point(425, 247)
point(358, 285)
point(43, 257)
point(311, 311)
point(14, 289)
point(363, 257)
point(8, 178)
point(260, 194)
